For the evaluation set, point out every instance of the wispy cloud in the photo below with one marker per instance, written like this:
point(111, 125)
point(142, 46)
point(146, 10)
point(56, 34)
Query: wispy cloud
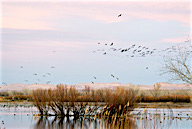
point(42, 15)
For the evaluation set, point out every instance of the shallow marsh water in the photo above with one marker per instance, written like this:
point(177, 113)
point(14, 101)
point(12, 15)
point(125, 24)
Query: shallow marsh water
point(21, 117)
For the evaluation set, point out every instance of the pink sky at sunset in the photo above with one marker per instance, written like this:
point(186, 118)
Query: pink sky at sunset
point(65, 34)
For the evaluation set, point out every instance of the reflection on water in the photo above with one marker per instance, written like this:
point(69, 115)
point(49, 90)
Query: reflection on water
point(83, 123)
point(21, 117)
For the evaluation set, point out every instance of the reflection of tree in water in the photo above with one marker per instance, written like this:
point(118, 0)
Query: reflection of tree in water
point(56, 123)
point(83, 123)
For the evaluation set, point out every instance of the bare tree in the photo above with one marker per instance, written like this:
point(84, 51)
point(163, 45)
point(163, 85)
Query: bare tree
point(156, 90)
point(179, 66)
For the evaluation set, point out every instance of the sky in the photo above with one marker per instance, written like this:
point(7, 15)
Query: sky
point(70, 42)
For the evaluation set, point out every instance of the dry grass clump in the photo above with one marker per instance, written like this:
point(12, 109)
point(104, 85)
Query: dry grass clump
point(120, 102)
point(64, 101)
point(165, 98)
point(8, 93)
point(19, 97)
point(60, 100)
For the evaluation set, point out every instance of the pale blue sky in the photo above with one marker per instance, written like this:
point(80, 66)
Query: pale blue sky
point(31, 31)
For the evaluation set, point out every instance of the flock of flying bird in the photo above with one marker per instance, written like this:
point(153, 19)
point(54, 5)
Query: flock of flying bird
point(44, 75)
point(129, 52)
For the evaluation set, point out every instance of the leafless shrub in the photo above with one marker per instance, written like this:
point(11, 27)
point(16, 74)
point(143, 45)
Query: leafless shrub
point(120, 102)
point(63, 101)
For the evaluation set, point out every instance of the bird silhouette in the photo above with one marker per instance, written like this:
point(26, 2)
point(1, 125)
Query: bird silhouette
point(104, 53)
point(95, 77)
point(139, 51)
point(119, 15)
point(134, 50)
point(92, 82)
point(133, 45)
point(4, 83)
point(146, 67)
point(52, 67)
point(21, 66)
point(111, 44)
point(34, 74)
point(48, 82)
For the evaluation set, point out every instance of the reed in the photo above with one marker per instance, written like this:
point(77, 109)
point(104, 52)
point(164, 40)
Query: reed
point(64, 101)
point(120, 102)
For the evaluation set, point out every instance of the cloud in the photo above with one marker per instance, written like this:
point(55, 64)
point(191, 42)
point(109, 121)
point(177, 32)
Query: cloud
point(45, 15)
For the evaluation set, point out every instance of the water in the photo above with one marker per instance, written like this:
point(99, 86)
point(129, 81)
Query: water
point(17, 117)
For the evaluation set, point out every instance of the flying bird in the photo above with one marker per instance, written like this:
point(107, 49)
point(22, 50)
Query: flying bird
point(92, 82)
point(146, 67)
point(111, 44)
point(52, 67)
point(4, 83)
point(48, 82)
point(139, 51)
point(119, 15)
point(104, 53)
point(95, 77)
point(21, 66)
point(34, 74)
